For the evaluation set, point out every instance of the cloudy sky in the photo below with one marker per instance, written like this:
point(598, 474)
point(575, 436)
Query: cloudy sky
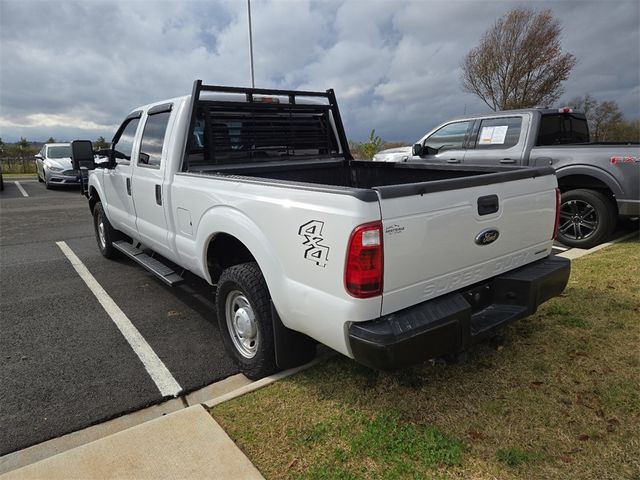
point(75, 69)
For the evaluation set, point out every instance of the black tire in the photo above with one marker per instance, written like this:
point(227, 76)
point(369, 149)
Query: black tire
point(47, 185)
point(587, 218)
point(110, 234)
point(247, 280)
point(39, 177)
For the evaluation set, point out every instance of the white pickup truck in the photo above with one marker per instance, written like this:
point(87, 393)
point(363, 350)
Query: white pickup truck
point(256, 192)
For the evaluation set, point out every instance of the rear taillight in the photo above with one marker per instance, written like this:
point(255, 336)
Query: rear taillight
point(363, 270)
point(555, 228)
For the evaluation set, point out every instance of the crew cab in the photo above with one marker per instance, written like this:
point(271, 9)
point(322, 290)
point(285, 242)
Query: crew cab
point(256, 192)
point(599, 181)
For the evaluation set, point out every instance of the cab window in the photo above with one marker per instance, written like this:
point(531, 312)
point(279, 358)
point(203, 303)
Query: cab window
point(123, 146)
point(153, 139)
point(499, 133)
point(449, 137)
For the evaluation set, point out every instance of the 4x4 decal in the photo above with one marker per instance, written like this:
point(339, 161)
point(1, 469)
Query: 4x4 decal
point(315, 251)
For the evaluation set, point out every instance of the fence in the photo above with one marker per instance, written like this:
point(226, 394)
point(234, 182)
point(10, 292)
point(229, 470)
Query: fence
point(18, 165)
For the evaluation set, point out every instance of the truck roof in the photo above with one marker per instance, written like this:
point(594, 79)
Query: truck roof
point(502, 113)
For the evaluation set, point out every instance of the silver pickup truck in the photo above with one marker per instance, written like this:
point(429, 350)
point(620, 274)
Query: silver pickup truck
point(599, 181)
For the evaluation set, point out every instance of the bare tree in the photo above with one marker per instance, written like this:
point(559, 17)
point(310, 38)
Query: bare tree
point(519, 62)
point(606, 121)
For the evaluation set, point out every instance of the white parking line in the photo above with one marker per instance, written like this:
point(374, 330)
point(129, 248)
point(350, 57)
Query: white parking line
point(22, 190)
point(152, 363)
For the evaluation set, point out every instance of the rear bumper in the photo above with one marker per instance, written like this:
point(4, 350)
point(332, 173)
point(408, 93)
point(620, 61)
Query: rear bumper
point(454, 321)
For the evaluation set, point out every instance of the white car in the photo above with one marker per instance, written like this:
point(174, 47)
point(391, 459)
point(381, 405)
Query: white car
point(53, 165)
point(256, 192)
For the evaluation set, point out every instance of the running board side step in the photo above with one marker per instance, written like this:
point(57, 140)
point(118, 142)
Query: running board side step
point(156, 267)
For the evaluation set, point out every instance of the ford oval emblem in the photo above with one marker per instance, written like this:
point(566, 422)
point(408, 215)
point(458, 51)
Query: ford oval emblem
point(486, 237)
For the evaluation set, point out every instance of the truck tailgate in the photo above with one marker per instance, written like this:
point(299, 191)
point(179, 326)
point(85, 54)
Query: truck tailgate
point(439, 242)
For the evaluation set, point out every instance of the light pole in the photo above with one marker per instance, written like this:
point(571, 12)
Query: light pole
point(253, 81)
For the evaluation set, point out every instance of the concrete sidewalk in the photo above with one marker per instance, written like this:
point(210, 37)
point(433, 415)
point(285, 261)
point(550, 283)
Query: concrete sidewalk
point(188, 443)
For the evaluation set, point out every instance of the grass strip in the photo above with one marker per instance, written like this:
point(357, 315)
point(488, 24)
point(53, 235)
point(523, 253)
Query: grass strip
point(557, 395)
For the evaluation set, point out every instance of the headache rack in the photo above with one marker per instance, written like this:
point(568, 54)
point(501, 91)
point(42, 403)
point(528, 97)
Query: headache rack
point(261, 125)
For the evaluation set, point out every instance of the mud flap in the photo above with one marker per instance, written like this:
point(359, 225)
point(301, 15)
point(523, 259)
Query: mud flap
point(292, 348)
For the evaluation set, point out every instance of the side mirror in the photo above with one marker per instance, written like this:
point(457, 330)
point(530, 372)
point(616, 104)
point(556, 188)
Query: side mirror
point(38, 156)
point(417, 150)
point(82, 155)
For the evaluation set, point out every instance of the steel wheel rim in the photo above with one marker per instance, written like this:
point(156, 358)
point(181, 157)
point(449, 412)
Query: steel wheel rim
point(242, 324)
point(101, 236)
point(578, 220)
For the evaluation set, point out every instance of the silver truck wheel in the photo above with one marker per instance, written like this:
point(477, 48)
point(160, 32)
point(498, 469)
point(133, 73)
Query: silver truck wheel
point(242, 324)
point(243, 307)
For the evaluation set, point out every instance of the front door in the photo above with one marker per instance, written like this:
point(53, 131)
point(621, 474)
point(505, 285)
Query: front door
point(446, 145)
point(148, 182)
point(117, 181)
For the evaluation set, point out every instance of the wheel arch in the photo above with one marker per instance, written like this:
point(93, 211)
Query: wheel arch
point(94, 197)
point(590, 178)
point(238, 240)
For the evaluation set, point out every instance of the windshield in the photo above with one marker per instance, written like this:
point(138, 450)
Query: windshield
point(63, 151)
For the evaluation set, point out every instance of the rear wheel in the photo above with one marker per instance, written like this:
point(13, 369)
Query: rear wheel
point(243, 306)
point(105, 233)
point(587, 218)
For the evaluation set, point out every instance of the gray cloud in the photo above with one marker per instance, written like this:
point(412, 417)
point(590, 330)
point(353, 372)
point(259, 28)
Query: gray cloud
point(74, 69)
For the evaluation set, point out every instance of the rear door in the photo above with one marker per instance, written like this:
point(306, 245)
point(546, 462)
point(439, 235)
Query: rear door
point(148, 188)
point(439, 242)
point(447, 144)
point(498, 141)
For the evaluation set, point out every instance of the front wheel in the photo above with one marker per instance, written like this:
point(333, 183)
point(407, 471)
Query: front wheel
point(105, 233)
point(587, 218)
point(243, 307)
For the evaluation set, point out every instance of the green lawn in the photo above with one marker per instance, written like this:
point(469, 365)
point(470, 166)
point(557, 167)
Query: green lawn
point(558, 396)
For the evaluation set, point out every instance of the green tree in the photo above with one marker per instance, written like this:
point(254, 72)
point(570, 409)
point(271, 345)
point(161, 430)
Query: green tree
point(51, 140)
point(100, 143)
point(23, 146)
point(373, 146)
point(519, 62)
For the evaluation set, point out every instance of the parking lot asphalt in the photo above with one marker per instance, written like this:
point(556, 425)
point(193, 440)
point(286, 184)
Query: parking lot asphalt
point(65, 364)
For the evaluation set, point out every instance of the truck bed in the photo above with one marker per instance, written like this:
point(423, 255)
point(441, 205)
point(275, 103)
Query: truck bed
point(389, 179)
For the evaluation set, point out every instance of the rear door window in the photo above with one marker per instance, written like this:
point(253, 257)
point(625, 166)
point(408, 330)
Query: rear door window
point(499, 133)
point(153, 139)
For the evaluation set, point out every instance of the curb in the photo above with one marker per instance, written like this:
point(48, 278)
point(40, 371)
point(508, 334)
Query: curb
point(208, 396)
point(263, 382)
point(575, 253)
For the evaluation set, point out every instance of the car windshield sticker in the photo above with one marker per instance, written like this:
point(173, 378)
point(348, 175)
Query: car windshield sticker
point(314, 251)
point(493, 135)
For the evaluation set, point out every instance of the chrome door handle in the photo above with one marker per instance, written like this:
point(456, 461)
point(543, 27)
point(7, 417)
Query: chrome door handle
point(507, 160)
point(453, 160)
point(129, 186)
